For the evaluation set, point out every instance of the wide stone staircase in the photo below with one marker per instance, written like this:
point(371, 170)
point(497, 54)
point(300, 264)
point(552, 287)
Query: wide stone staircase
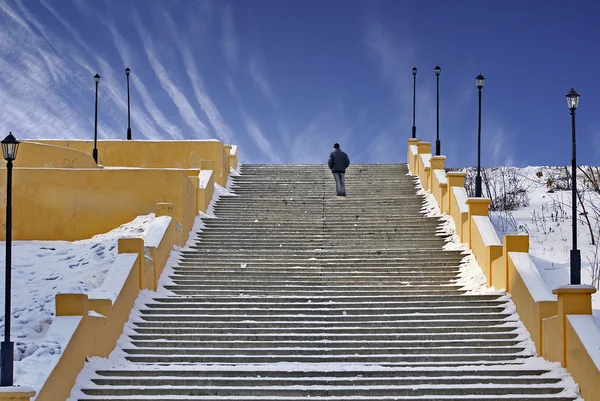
point(293, 294)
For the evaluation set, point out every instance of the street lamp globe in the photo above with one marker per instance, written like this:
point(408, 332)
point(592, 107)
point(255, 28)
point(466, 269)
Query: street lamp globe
point(96, 78)
point(479, 81)
point(10, 145)
point(573, 99)
point(414, 70)
point(437, 70)
point(127, 71)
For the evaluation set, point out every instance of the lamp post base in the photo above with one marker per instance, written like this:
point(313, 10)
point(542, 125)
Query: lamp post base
point(478, 186)
point(7, 353)
point(95, 155)
point(438, 147)
point(575, 267)
point(129, 134)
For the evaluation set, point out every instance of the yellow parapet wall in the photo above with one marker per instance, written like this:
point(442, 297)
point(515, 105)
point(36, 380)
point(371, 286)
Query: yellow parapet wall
point(137, 266)
point(73, 204)
point(560, 322)
point(155, 154)
point(33, 154)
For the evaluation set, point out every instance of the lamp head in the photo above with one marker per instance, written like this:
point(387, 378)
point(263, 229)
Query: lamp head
point(479, 81)
point(573, 99)
point(10, 145)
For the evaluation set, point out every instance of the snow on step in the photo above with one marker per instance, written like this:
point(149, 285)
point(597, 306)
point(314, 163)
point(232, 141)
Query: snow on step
point(294, 294)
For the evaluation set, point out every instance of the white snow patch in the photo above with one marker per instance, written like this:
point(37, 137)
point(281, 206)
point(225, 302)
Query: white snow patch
point(589, 333)
point(461, 199)
point(204, 178)
point(487, 230)
point(441, 176)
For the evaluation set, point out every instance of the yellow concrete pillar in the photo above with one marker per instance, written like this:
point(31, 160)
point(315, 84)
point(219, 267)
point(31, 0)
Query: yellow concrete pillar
point(455, 179)
point(412, 157)
point(512, 243)
point(227, 158)
point(16, 393)
point(572, 300)
point(477, 207)
point(136, 245)
point(72, 304)
point(422, 148)
point(443, 197)
point(437, 163)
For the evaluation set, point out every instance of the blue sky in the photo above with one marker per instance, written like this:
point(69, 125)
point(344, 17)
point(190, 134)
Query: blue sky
point(286, 79)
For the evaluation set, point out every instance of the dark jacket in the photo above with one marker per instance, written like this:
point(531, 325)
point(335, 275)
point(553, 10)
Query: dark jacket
point(338, 161)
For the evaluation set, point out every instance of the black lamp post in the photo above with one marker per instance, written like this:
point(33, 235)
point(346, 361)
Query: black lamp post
point(573, 102)
point(414, 128)
point(10, 145)
point(437, 71)
point(95, 151)
point(479, 81)
point(127, 72)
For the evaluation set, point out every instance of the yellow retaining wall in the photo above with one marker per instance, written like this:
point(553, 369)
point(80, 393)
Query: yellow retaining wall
point(155, 154)
point(581, 365)
point(548, 319)
point(97, 336)
point(424, 149)
point(33, 154)
point(75, 204)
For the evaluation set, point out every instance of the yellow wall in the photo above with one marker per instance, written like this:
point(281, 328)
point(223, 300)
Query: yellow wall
point(155, 154)
point(97, 336)
point(581, 366)
point(545, 319)
point(72, 204)
point(33, 154)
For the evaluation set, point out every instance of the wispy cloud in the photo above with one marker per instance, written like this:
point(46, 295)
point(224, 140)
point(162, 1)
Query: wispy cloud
point(204, 100)
point(141, 119)
point(259, 76)
point(31, 106)
point(313, 143)
point(186, 111)
point(395, 59)
point(260, 139)
point(229, 41)
point(255, 133)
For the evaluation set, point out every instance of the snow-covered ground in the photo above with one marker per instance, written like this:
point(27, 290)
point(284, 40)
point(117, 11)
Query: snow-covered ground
point(548, 222)
point(42, 269)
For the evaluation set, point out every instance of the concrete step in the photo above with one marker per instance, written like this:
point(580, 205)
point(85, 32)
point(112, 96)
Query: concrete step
point(364, 328)
point(317, 356)
point(322, 311)
point(358, 380)
point(292, 293)
point(298, 318)
point(316, 337)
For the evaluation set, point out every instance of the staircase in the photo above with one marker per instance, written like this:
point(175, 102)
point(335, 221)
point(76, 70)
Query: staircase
point(294, 294)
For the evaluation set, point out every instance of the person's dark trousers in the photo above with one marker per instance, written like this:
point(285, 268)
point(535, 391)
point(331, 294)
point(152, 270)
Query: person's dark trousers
point(340, 183)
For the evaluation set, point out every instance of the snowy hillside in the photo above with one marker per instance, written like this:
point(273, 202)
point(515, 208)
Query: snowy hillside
point(541, 197)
